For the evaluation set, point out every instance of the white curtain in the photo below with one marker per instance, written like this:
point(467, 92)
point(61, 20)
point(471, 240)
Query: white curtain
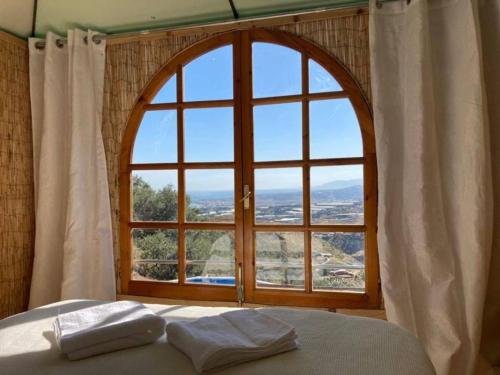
point(73, 241)
point(435, 151)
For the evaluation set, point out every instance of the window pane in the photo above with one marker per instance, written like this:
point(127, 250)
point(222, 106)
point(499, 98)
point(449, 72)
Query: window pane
point(278, 196)
point(210, 195)
point(337, 195)
point(320, 80)
point(208, 135)
point(210, 76)
point(279, 258)
point(210, 257)
point(154, 195)
point(154, 254)
point(276, 70)
point(156, 139)
point(338, 261)
point(334, 129)
point(277, 132)
point(168, 93)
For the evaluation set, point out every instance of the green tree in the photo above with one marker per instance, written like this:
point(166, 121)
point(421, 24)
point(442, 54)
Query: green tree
point(161, 245)
point(154, 205)
point(157, 205)
point(156, 244)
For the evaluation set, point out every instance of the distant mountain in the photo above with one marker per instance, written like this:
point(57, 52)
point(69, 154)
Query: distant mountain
point(340, 190)
point(210, 195)
point(349, 193)
point(339, 184)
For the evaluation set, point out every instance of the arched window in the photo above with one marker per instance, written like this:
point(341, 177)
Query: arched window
point(248, 173)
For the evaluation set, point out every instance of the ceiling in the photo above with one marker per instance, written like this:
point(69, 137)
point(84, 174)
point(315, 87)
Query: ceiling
point(114, 16)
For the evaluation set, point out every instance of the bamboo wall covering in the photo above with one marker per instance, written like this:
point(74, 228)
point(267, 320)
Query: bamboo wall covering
point(16, 178)
point(131, 65)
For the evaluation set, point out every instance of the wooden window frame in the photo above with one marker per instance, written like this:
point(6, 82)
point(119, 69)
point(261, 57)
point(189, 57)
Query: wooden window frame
point(243, 164)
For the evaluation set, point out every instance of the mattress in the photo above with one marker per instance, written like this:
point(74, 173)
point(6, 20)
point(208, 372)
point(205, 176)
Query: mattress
point(330, 343)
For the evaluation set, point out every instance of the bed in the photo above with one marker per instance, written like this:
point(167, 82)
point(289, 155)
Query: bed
point(329, 344)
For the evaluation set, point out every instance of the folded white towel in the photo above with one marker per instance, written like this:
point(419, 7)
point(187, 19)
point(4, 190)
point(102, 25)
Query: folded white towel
point(105, 328)
point(231, 338)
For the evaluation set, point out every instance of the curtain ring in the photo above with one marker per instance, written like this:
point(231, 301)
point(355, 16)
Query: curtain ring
point(59, 43)
point(96, 39)
point(85, 39)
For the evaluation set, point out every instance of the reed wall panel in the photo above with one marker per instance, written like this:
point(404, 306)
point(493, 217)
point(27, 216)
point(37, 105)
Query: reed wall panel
point(16, 178)
point(131, 65)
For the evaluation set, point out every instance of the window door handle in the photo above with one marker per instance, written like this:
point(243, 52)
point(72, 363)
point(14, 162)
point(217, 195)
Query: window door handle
point(246, 197)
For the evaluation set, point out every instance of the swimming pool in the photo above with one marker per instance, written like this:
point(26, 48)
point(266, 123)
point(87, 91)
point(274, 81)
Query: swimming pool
point(218, 280)
point(223, 280)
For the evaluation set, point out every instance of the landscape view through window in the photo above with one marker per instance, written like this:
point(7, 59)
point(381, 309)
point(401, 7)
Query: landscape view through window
point(336, 191)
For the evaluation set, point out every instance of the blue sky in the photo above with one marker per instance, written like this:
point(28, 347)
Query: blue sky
point(334, 131)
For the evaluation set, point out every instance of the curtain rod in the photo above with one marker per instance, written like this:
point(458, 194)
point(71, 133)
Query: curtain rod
point(62, 41)
point(99, 37)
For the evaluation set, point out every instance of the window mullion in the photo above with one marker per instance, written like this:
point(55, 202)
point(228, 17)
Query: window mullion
point(181, 195)
point(238, 166)
point(306, 205)
point(247, 159)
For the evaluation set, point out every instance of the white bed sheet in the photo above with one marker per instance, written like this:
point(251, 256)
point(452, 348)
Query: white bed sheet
point(329, 344)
